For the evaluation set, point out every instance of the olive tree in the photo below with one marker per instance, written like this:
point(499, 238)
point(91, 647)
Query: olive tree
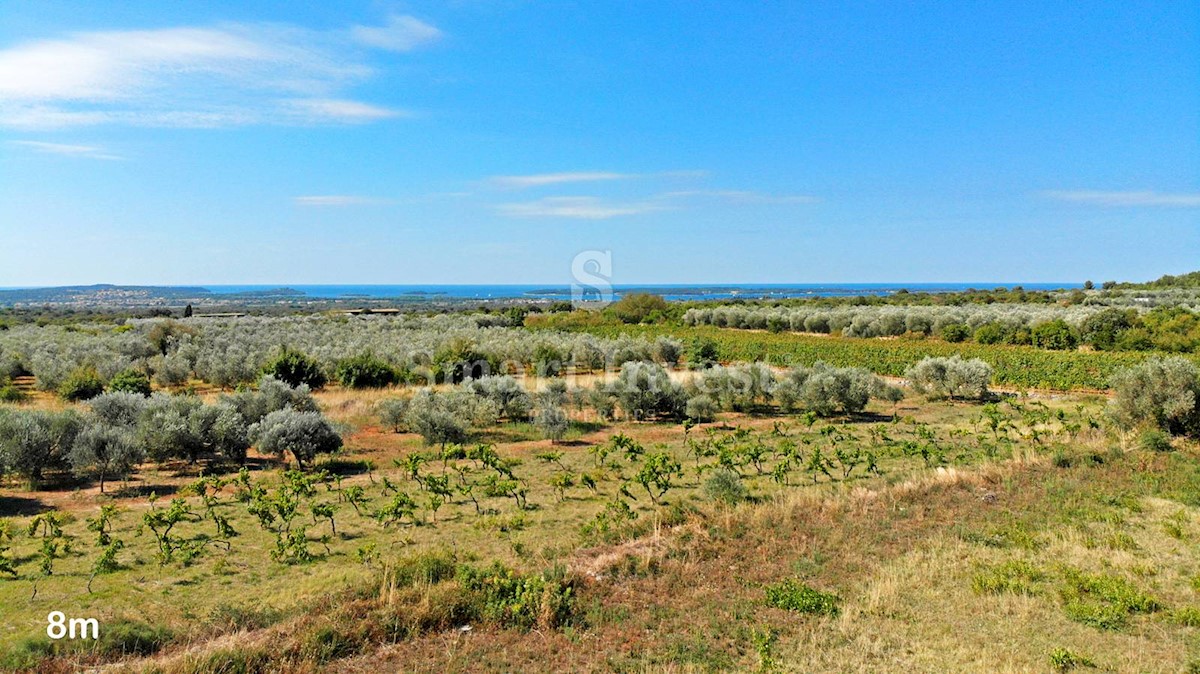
point(1163, 392)
point(105, 451)
point(272, 395)
point(645, 390)
point(826, 390)
point(442, 418)
point(552, 421)
point(510, 398)
point(33, 442)
point(953, 377)
point(303, 434)
point(118, 409)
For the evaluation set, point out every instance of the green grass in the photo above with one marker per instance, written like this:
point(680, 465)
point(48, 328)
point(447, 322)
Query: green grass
point(1012, 577)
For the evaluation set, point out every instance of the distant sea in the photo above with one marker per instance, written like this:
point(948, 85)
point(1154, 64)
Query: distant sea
point(669, 291)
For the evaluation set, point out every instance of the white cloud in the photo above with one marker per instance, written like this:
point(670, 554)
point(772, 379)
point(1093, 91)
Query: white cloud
point(219, 76)
point(543, 179)
point(338, 200)
point(335, 110)
point(584, 208)
point(86, 151)
point(402, 33)
point(568, 177)
point(1144, 198)
point(742, 196)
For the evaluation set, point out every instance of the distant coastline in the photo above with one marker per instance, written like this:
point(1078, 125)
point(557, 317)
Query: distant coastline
point(105, 295)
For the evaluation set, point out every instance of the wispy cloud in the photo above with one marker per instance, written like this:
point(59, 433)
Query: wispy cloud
point(226, 75)
point(338, 200)
point(741, 196)
point(543, 179)
point(570, 177)
point(1144, 198)
point(83, 151)
point(401, 33)
point(583, 208)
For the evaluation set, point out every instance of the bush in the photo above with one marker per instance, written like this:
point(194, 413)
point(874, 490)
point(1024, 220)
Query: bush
point(1063, 660)
point(11, 394)
point(956, 332)
point(1163, 392)
point(295, 369)
point(505, 598)
point(83, 383)
point(991, 333)
point(703, 354)
point(1103, 330)
point(794, 595)
point(1154, 440)
point(365, 371)
point(1056, 335)
point(272, 395)
point(130, 381)
point(726, 486)
point(637, 307)
point(951, 377)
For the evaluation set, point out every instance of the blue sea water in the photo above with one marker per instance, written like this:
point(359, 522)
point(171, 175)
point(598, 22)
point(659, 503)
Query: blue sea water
point(669, 291)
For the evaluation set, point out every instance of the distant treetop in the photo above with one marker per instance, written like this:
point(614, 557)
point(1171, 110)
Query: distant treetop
point(1190, 280)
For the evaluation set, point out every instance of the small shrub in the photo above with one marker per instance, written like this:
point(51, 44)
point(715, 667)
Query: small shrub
point(794, 595)
point(956, 332)
point(392, 412)
point(1188, 616)
point(295, 368)
point(11, 394)
point(508, 599)
point(130, 381)
point(1064, 660)
point(726, 486)
point(1057, 335)
point(365, 371)
point(1155, 440)
point(83, 383)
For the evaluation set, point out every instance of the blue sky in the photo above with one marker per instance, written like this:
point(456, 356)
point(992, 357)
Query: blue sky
point(478, 141)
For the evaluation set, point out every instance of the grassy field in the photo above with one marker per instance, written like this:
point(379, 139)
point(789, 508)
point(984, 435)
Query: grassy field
point(1022, 367)
point(899, 517)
